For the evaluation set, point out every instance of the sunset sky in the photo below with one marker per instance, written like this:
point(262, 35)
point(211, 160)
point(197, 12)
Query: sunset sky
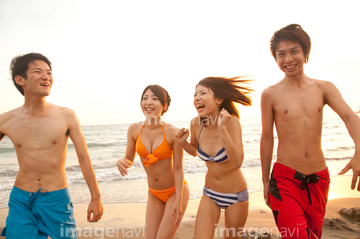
point(104, 53)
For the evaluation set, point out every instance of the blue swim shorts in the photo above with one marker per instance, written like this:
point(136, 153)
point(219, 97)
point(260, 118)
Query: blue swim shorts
point(39, 215)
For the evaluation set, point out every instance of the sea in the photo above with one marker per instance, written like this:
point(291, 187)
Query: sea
point(107, 143)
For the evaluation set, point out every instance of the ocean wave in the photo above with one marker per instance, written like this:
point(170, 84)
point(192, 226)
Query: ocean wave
point(194, 169)
point(106, 177)
point(251, 141)
point(99, 145)
point(6, 187)
point(7, 149)
point(74, 168)
point(106, 166)
point(346, 147)
point(339, 158)
point(8, 174)
point(119, 178)
point(252, 163)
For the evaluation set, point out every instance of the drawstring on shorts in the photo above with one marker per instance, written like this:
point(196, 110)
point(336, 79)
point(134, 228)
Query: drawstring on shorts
point(33, 196)
point(306, 179)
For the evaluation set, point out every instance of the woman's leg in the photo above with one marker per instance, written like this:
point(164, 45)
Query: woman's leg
point(207, 218)
point(154, 214)
point(167, 228)
point(235, 218)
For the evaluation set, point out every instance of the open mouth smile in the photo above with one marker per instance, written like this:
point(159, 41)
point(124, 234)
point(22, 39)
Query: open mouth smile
point(199, 107)
point(147, 109)
point(290, 66)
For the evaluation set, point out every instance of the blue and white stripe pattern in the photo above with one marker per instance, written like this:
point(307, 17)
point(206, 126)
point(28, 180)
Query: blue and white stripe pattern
point(221, 156)
point(225, 200)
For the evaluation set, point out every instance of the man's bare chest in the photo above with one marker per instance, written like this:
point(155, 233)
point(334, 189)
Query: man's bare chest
point(38, 134)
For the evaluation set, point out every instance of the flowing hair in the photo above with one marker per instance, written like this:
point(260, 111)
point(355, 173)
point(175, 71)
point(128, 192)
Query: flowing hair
point(229, 89)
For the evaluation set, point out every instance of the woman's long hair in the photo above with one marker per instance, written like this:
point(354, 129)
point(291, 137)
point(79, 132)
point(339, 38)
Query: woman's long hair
point(229, 89)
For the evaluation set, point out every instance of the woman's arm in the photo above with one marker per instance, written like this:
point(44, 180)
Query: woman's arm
point(230, 129)
point(124, 163)
point(183, 134)
point(179, 181)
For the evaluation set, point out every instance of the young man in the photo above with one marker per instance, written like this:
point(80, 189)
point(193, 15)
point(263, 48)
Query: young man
point(298, 188)
point(40, 204)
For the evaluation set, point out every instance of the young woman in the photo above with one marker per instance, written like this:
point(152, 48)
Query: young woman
point(161, 155)
point(217, 139)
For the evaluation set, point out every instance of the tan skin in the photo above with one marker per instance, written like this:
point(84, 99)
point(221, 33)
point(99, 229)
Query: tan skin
point(39, 132)
point(222, 130)
point(162, 219)
point(295, 105)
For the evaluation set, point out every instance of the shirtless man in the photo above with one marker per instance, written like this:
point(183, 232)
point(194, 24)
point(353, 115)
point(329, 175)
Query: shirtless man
point(298, 187)
point(40, 204)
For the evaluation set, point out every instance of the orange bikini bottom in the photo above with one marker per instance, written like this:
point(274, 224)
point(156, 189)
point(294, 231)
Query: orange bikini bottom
point(163, 194)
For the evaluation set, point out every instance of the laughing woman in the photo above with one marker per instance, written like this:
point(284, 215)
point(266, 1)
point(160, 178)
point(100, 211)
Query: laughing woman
point(217, 139)
point(161, 156)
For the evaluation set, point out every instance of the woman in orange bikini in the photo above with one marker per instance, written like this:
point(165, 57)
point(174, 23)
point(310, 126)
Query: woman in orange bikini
point(154, 141)
point(216, 138)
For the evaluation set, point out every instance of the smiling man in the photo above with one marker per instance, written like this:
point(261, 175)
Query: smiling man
point(40, 204)
point(298, 186)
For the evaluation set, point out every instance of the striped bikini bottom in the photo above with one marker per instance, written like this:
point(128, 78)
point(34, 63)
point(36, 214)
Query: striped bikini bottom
point(225, 200)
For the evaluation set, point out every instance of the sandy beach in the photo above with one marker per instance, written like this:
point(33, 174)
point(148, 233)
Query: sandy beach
point(126, 220)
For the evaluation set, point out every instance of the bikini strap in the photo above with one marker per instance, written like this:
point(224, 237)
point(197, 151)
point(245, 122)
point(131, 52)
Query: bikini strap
point(200, 132)
point(163, 131)
point(141, 129)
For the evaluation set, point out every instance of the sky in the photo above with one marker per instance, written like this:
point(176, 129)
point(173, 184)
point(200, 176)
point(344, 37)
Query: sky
point(104, 53)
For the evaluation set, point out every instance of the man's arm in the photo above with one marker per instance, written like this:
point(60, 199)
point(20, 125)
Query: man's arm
point(266, 141)
point(352, 122)
point(3, 120)
point(95, 207)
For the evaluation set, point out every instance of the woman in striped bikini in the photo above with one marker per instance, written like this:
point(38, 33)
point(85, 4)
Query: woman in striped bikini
point(217, 139)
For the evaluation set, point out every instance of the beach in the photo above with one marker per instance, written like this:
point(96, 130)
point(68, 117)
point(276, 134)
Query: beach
point(124, 198)
point(126, 220)
point(107, 143)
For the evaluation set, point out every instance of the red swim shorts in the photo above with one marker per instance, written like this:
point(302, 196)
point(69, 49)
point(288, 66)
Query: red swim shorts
point(298, 201)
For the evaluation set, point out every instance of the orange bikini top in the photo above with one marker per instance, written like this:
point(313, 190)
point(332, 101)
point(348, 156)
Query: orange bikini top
point(163, 151)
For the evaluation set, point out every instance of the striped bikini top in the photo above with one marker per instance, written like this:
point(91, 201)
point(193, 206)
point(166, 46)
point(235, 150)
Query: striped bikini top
point(221, 156)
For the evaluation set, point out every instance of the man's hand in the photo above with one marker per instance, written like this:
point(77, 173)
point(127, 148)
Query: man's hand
point(95, 211)
point(353, 164)
point(267, 195)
